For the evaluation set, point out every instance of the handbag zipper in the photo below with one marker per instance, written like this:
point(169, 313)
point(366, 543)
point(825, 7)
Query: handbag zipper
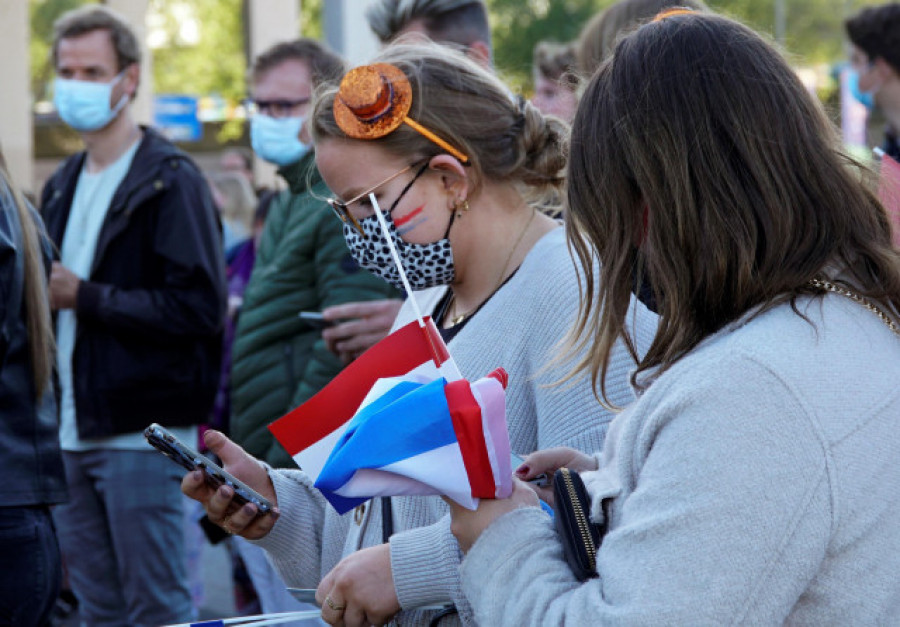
point(581, 519)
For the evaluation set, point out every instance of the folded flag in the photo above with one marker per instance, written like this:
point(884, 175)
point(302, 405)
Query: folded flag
point(889, 193)
point(423, 438)
point(310, 432)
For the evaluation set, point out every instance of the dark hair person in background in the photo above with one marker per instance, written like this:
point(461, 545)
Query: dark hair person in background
point(30, 462)
point(875, 56)
point(755, 480)
point(459, 23)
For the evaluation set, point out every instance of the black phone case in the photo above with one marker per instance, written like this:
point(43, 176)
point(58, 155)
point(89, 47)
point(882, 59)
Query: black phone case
point(170, 446)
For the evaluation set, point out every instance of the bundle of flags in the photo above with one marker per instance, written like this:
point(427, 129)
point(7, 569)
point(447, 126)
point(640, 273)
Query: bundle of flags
point(400, 420)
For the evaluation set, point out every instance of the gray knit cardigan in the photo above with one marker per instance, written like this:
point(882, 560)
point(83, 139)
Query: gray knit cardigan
point(518, 329)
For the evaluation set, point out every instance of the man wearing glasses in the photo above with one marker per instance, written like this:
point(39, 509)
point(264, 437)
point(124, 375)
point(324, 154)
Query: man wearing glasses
point(302, 265)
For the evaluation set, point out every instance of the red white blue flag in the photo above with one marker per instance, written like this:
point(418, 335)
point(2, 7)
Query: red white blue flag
point(401, 420)
point(373, 433)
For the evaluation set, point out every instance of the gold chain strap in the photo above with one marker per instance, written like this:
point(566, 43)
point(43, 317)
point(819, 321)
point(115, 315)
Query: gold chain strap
point(843, 291)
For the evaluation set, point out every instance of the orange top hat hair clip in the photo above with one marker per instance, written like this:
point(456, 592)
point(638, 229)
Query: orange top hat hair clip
point(374, 100)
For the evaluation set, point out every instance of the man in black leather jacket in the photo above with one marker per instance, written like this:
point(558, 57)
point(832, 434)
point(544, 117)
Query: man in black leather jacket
point(139, 292)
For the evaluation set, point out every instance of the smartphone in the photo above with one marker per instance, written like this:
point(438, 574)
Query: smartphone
point(173, 448)
point(315, 319)
point(541, 481)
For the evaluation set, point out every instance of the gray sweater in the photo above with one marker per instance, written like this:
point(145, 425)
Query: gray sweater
point(756, 482)
point(518, 329)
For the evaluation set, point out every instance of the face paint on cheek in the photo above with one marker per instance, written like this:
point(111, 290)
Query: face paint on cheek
point(407, 223)
point(410, 227)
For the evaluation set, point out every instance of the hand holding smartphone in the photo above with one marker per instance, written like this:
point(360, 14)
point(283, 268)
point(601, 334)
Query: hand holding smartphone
point(541, 480)
point(315, 319)
point(166, 443)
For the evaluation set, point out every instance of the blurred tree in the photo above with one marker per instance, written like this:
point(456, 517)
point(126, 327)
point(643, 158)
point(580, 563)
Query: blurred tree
point(517, 25)
point(311, 19)
point(198, 47)
point(814, 29)
point(42, 14)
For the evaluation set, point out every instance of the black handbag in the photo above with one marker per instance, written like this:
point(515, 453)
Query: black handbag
point(572, 513)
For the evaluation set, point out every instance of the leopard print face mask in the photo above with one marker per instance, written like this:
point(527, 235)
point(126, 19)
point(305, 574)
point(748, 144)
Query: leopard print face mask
point(426, 265)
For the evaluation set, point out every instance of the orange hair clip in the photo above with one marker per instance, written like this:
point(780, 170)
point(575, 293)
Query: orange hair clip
point(374, 100)
point(670, 12)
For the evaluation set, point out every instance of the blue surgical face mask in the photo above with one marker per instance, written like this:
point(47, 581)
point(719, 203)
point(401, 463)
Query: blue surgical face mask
point(84, 105)
point(277, 140)
point(863, 97)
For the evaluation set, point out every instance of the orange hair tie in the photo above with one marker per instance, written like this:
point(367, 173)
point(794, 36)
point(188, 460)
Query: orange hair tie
point(374, 100)
point(670, 12)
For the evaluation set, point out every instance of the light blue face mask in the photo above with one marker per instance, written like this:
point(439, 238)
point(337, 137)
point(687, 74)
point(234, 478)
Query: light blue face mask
point(84, 105)
point(863, 97)
point(277, 140)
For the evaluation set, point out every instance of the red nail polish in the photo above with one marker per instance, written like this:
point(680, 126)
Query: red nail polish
point(522, 470)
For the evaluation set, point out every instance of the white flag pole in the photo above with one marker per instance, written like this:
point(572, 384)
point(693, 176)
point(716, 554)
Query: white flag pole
point(396, 256)
point(448, 369)
point(258, 620)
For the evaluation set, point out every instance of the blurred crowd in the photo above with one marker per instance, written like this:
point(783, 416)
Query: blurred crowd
point(691, 284)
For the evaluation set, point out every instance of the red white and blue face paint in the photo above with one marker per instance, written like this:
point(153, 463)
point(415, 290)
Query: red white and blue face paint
point(411, 220)
point(426, 265)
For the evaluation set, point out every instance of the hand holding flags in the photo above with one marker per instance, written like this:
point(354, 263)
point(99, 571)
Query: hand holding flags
point(400, 420)
point(413, 438)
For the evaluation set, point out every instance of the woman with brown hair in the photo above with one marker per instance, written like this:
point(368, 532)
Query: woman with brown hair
point(462, 173)
point(30, 461)
point(755, 480)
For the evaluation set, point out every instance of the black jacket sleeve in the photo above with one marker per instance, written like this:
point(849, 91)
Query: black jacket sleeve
point(187, 242)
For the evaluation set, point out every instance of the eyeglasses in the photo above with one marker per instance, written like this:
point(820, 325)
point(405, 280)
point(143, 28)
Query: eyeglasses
point(278, 108)
point(342, 209)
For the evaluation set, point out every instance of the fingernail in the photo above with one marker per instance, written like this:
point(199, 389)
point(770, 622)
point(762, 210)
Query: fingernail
point(249, 508)
point(522, 470)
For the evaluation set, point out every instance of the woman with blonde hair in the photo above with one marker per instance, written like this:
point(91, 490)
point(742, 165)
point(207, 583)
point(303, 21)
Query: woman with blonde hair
point(755, 480)
point(462, 172)
point(237, 203)
point(30, 461)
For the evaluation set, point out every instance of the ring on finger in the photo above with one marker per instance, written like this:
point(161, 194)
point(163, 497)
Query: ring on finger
point(330, 603)
point(225, 526)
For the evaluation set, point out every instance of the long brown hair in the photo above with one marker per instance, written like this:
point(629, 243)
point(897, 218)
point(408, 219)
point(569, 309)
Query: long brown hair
point(37, 307)
point(698, 157)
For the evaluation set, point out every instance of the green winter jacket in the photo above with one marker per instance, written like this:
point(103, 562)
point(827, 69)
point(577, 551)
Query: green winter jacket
point(278, 361)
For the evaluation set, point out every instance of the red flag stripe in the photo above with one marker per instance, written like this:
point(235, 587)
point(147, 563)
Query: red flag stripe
point(403, 350)
point(466, 414)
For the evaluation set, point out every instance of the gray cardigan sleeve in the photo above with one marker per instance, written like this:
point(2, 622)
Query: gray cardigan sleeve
point(295, 542)
point(698, 534)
